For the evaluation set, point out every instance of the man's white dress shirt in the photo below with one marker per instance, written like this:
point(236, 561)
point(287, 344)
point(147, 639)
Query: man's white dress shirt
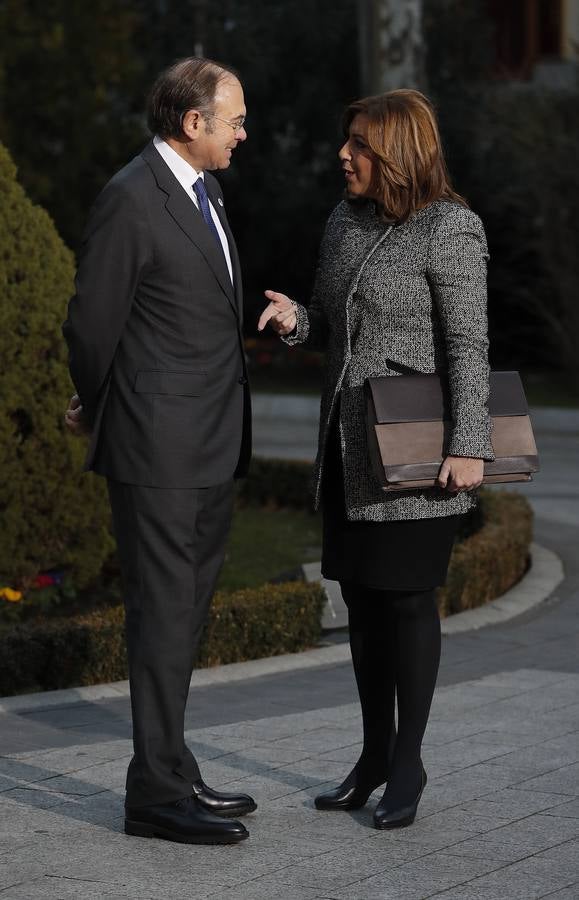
point(186, 175)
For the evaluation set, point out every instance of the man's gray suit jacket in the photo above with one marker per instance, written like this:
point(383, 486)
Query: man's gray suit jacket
point(155, 335)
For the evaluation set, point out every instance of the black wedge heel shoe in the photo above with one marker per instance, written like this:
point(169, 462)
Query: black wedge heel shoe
point(402, 817)
point(353, 793)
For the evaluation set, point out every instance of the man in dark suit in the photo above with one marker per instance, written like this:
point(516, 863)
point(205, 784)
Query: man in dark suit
point(156, 356)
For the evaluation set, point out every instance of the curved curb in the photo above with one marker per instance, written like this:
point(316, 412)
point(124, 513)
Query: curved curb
point(544, 575)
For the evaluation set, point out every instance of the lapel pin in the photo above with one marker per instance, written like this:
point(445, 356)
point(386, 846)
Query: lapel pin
point(220, 201)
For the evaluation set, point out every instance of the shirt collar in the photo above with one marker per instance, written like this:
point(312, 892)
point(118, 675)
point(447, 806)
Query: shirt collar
point(181, 169)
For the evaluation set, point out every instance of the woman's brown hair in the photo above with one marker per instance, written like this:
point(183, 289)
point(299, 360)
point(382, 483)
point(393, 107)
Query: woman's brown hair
point(409, 167)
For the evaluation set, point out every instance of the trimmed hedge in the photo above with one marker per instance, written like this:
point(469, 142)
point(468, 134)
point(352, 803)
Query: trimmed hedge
point(265, 621)
point(80, 650)
point(491, 555)
point(277, 483)
point(493, 558)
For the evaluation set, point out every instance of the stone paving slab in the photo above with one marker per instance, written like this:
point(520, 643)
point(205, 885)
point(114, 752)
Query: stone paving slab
point(486, 829)
point(499, 819)
point(526, 880)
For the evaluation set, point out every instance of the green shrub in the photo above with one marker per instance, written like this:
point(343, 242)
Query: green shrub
point(492, 559)
point(277, 483)
point(492, 547)
point(265, 621)
point(50, 516)
point(67, 652)
point(490, 553)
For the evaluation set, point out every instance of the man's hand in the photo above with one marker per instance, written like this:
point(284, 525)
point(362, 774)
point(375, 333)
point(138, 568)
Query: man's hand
point(461, 473)
point(73, 417)
point(280, 313)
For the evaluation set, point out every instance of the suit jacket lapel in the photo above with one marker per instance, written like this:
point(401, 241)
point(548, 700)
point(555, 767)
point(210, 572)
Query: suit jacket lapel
point(190, 220)
point(218, 207)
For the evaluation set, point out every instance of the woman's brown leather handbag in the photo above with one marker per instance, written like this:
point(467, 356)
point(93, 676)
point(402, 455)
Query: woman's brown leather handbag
point(408, 419)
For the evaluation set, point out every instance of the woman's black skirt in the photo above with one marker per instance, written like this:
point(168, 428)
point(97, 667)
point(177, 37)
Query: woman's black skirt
point(405, 555)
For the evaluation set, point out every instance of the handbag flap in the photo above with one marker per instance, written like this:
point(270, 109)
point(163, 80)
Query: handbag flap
point(421, 398)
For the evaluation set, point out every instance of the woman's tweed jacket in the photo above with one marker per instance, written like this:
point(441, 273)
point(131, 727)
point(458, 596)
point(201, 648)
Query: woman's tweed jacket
point(389, 301)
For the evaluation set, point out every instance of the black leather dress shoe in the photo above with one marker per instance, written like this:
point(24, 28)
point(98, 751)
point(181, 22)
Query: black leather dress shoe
point(221, 804)
point(353, 793)
point(402, 817)
point(184, 821)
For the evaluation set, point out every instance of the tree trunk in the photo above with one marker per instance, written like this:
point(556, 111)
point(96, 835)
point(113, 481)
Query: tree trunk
point(391, 45)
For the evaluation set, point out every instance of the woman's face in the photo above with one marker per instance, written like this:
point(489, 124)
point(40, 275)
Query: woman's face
point(357, 159)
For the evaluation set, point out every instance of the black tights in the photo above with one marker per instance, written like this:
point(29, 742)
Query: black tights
point(395, 644)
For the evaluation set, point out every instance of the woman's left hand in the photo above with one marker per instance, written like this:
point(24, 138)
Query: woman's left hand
point(461, 473)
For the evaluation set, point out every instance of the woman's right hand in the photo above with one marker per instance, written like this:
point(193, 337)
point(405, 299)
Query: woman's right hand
point(280, 313)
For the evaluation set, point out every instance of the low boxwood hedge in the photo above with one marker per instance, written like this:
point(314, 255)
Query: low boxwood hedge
point(491, 552)
point(491, 559)
point(79, 650)
point(277, 483)
point(490, 555)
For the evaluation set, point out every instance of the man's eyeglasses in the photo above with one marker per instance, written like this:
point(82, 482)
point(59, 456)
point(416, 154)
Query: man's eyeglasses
point(237, 125)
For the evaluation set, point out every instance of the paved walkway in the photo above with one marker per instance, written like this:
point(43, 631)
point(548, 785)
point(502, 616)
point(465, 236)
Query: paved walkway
point(499, 819)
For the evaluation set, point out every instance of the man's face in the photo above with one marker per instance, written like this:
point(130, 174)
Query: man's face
point(217, 139)
point(357, 159)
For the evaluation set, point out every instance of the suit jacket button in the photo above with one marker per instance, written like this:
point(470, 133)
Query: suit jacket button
point(242, 380)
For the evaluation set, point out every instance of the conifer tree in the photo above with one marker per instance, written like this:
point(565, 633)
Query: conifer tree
point(50, 514)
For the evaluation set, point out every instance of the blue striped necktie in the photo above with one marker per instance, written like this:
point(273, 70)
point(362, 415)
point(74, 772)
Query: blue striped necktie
point(201, 193)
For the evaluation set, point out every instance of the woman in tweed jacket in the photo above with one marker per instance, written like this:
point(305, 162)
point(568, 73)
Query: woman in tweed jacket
point(400, 288)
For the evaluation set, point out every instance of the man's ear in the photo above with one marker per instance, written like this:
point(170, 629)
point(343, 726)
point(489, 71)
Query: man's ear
point(192, 124)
